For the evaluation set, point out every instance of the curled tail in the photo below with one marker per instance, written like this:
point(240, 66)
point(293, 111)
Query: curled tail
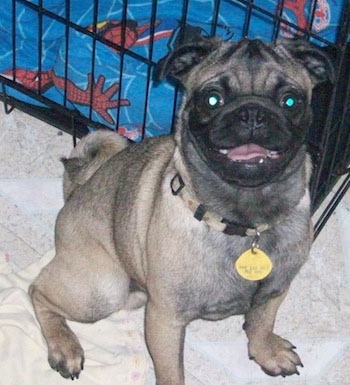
point(89, 154)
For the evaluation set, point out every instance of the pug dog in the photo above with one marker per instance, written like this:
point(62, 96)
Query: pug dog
point(209, 222)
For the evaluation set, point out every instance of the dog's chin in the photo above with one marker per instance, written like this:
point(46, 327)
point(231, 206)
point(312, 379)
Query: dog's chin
point(248, 165)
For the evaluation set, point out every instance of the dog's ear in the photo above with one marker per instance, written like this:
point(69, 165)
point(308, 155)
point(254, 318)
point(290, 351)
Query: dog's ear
point(177, 64)
point(72, 166)
point(314, 59)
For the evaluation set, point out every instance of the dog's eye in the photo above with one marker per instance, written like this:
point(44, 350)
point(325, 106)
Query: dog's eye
point(289, 101)
point(214, 99)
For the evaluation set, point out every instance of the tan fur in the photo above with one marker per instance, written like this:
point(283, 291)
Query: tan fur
point(87, 156)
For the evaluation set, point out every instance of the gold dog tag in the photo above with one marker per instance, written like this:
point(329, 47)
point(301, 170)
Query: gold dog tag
point(253, 264)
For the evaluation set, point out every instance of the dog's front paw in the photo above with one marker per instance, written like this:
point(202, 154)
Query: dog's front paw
point(275, 355)
point(67, 359)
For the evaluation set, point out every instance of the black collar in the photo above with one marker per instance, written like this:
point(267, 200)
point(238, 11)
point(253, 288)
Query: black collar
point(201, 213)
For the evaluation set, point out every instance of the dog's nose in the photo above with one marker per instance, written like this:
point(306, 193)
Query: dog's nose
point(252, 117)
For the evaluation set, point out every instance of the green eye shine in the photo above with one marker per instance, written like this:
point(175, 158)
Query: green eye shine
point(214, 100)
point(289, 101)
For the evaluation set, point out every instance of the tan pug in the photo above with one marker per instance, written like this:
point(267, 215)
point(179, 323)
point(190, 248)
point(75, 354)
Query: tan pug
point(169, 221)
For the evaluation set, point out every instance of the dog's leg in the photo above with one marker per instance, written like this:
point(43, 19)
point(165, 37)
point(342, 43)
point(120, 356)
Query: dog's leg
point(165, 340)
point(274, 354)
point(65, 353)
point(82, 293)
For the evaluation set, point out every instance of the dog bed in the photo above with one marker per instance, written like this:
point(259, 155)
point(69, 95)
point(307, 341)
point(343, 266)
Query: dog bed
point(65, 70)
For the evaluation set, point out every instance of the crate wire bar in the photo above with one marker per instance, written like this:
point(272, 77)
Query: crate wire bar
point(329, 139)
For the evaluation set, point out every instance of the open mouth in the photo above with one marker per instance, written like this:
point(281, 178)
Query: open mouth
point(250, 153)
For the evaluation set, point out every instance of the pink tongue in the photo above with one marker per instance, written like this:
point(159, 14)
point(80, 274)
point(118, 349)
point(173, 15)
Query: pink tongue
point(247, 152)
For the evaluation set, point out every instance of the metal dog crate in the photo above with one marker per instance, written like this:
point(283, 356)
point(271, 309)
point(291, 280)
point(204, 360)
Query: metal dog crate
point(123, 36)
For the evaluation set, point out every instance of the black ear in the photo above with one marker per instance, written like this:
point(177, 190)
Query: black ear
point(316, 60)
point(177, 64)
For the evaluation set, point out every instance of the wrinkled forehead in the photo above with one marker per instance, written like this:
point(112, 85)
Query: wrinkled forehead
point(252, 67)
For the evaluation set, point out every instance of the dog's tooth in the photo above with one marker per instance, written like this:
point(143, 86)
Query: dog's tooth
point(223, 151)
point(261, 160)
point(272, 154)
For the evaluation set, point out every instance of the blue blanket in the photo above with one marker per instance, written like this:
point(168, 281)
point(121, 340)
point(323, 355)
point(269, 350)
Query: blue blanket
point(93, 84)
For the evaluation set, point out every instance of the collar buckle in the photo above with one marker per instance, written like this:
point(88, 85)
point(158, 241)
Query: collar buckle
point(180, 184)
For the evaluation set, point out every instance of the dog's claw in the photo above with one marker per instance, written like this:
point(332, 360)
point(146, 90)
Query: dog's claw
point(74, 376)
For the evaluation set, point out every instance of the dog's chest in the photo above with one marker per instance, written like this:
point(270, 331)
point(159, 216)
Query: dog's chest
point(213, 289)
point(227, 297)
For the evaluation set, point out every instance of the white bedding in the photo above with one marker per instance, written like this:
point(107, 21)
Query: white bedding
point(114, 349)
